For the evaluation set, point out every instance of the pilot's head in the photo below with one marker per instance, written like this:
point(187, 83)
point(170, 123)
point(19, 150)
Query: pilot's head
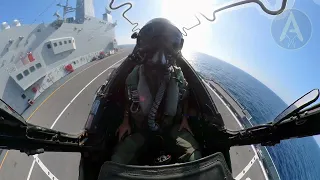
point(162, 41)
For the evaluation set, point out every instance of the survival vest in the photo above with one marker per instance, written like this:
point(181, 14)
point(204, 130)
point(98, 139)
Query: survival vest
point(141, 98)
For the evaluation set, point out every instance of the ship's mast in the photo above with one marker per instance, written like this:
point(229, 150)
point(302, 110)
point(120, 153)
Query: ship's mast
point(66, 9)
point(84, 9)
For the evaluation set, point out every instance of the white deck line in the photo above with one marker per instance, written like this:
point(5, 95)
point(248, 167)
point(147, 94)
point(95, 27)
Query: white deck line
point(271, 159)
point(254, 150)
point(36, 158)
point(246, 169)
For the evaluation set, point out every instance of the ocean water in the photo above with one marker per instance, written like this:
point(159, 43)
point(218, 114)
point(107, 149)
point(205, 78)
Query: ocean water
point(295, 159)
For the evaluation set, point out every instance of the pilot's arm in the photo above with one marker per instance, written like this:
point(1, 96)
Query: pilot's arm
point(185, 103)
point(125, 125)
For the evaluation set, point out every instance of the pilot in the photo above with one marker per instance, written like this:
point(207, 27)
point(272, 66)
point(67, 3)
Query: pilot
point(156, 97)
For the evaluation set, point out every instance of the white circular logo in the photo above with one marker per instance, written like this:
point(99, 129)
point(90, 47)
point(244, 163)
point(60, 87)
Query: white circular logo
point(291, 29)
point(317, 2)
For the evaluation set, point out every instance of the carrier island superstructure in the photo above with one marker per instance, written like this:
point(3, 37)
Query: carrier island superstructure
point(34, 56)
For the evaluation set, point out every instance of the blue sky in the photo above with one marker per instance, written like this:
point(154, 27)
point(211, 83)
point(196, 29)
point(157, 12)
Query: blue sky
point(241, 37)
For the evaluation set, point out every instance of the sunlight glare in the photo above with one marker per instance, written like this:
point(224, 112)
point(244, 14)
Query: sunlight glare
point(181, 13)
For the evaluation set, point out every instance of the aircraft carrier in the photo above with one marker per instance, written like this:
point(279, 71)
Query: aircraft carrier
point(51, 65)
point(35, 56)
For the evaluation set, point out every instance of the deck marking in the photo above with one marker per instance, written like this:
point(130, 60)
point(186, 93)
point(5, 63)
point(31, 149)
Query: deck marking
point(3, 159)
point(254, 150)
point(59, 88)
point(36, 158)
point(246, 169)
point(29, 174)
point(65, 108)
point(5, 156)
point(43, 167)
point(64, 84)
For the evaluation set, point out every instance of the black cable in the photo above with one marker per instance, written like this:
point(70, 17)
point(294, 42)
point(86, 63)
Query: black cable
point(263, 7)
point(123, 14)
point(45, 10)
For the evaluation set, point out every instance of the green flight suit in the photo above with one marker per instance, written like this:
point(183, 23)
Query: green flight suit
point(129, 148)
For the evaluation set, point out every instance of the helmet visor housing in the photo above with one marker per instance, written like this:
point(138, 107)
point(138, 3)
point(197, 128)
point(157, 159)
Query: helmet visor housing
point(160, 35)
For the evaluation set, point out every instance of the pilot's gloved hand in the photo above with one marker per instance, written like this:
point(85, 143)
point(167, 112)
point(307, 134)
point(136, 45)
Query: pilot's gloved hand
point(123, 129)
point(185, 125)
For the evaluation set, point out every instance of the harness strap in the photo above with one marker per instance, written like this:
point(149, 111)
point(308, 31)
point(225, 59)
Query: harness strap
point(134, 97)
point(159, 96)
point(171, 72)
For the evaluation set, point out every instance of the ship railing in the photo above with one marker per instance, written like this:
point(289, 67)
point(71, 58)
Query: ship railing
point(267, 161)
point(232, 97)
point(245, 112)
point(246, 123)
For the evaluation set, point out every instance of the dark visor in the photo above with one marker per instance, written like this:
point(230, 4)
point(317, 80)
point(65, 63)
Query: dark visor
point(155, 35)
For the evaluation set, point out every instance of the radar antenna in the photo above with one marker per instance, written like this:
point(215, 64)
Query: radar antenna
point(57, 15)
point(66, 9)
